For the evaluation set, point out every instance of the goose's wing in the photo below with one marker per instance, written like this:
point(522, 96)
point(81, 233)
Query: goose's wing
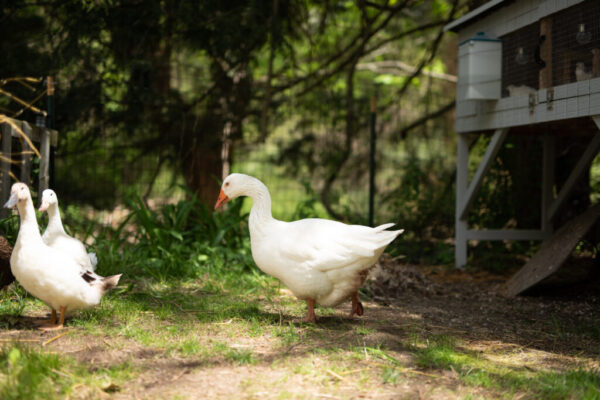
point(74, 247)
point(326, 245)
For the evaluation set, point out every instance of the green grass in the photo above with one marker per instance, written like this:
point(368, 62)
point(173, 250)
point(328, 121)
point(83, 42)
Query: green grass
point(442, 353)
point(191, 292)
point(28, 373)
point(12, 304)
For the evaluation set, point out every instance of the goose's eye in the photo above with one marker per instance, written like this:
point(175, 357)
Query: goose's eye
point(226, 184)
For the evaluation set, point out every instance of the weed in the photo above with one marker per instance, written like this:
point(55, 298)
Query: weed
point(287, 334)
point(12, 304)
point(240, 356)
point(390, 375)
point(362, 330)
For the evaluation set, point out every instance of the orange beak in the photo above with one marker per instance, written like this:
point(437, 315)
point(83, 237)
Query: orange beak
point(221, 200)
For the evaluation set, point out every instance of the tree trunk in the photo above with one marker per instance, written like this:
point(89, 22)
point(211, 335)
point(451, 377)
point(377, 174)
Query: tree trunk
point(206, 151)
point(203, 170)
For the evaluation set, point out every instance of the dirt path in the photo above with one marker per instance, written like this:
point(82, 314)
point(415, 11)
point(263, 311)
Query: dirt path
point(378, 356)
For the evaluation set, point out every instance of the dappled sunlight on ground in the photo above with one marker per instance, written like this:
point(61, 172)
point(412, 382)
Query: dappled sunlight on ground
point(205, 339)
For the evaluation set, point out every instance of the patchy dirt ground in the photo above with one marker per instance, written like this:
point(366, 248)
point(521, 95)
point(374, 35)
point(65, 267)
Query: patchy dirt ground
point(550, 317)
point(369, 358)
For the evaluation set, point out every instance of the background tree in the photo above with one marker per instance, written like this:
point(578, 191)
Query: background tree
point(167, 83)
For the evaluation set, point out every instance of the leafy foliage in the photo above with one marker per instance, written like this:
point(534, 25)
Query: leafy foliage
point(179, 240)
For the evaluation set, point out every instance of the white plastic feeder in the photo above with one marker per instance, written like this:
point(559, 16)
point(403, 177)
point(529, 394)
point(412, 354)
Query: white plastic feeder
point(480, 68)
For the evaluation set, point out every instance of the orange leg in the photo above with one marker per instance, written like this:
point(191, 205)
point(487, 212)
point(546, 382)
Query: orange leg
point(357, 307)
point(310, 315)
point(53, 326)
point(51, 321)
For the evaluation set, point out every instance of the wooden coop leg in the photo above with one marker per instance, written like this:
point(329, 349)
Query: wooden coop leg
point(26, 155)
point(465, 191)
point(462, 180)
point(557, 247)
point(5, 169)
point(44, 179)
point(482, 169)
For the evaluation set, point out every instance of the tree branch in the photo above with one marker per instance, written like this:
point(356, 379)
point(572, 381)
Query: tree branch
point(424, 119)
point(386, 66)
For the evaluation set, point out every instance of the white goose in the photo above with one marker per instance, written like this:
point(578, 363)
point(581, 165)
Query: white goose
point(320, 261)
point(56, 237)
point(46, 273)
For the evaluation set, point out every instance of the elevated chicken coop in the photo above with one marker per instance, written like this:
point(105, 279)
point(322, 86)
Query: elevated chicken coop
point(528, 67)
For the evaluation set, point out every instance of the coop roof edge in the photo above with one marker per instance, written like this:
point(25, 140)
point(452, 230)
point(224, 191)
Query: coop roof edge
point(477, 13)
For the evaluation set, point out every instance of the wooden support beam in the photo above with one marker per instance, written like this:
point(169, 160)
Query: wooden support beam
point(5, 168)
point(462, 181)
point(44, 174)
point(482, 169)
point(545, 52)
point(505, 234)
point(25, 155)
point(582, 164)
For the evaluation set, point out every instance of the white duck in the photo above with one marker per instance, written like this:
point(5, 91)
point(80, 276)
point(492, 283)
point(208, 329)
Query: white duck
point(56, 237)
point(320, 261)
point(46, 273)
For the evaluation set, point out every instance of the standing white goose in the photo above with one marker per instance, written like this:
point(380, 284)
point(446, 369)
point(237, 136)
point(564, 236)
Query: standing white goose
point(48, 274)
point(56, 237)
point(320, 261)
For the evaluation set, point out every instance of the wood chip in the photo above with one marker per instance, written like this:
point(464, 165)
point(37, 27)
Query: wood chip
point(338, 376)
point(55, 338)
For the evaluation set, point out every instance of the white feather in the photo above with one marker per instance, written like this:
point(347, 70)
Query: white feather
point(316, 259)
point(47, 273)
point(56, 237)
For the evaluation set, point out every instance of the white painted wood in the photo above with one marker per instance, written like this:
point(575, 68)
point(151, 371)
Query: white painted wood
point(571, 89)
point(508, 18)
point(505, 234)
point(472, 14)
point(541, 113)
point(583, 88)
point(482, 169)
point(584, 161)
point(571, 107)
point(595, 85)
point(560, 109)
point(462, 180)
point(466, 108)
point(542, 96)
point(561, 91)
point(569, 101)
point(595, 103)
point(583, 106)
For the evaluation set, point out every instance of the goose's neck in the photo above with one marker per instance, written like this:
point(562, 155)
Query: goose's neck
point(260, 214)
point(54, 222)
point(29, 227)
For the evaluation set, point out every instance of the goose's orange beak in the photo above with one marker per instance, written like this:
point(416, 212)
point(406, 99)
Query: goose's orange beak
point(221, 200)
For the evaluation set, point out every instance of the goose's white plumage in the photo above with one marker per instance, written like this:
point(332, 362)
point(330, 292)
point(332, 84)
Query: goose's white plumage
point(48, 274)
point(56, 237)
point(319, 260)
